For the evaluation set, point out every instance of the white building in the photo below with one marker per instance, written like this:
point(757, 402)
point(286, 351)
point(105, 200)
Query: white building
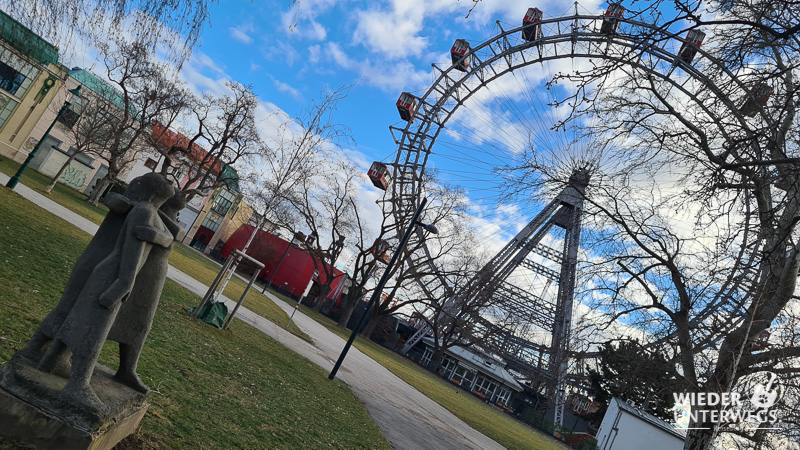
point(625, 427)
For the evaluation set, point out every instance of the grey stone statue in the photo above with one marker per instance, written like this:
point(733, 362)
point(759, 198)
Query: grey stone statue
point(83, 318)
point(135, 316)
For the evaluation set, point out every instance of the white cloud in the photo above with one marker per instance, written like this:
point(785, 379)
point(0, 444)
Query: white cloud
point(390, 77)
point(242, 33)
point(286, 89)
point(394, 32)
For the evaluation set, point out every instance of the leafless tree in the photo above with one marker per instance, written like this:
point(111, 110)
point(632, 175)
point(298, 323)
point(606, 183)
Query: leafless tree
point(326, 205)
point(225, 133)
point(693, 203)
point(89, 123)
point(446, 210)
point(143, 93)
point(172, 27)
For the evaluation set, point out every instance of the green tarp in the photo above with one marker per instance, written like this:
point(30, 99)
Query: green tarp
point(213, 313)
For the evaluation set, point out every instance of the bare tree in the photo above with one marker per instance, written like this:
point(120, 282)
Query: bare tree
point(143, 94)
point(694, 201)
point(325, 204)
point(171, 27)
point(225, 133)
point(88, 123)
point(446, 211)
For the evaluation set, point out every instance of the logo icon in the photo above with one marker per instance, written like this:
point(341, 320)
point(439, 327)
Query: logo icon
point(765, 396)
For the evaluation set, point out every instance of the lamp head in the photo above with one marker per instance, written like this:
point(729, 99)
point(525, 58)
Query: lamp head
point(77, 91)
point(432, 228)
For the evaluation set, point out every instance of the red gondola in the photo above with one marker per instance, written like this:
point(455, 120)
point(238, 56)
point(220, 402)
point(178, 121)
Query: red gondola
point(761, 342)
point(379, 175)
point(380, 249)
point(756, 100)
point(407, 106)
point(531, 23)
point(689, 48)
point(611, 18)
point(458, 54)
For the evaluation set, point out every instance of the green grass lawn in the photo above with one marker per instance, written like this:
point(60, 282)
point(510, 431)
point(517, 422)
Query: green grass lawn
point(485, 418)
point(61, 194)
point(183, 258)
point(211, 388)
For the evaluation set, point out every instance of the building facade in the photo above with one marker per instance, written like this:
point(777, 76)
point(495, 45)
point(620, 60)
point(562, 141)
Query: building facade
point(480, 374)
point(98, 98)
point(30, 78)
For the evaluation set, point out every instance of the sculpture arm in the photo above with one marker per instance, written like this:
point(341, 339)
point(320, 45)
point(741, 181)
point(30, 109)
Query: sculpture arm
point(117, 203)
point(131, 256)
point(172, 225)
point(154, 236)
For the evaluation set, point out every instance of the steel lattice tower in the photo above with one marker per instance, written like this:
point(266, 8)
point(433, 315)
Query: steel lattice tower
point(563, 211)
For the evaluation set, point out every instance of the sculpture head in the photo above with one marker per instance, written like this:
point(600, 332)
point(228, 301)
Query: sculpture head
point(171, 207)
point(151, 187)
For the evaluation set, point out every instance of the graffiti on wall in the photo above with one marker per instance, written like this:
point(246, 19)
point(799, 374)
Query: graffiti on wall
point(74, 177)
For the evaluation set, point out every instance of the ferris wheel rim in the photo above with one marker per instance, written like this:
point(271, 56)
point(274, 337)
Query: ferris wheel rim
point(429, 114)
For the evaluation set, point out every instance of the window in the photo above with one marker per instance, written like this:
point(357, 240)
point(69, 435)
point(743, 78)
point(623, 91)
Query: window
point(82, 157)
point(485, 386)
point(503, 395)
point(448, 366)
point(463, 376)
point(212, 221)
point(151, 163)
point(10, 79)
point(426, 357)
point(16, 74)
point(223, 202)
point(7, 105)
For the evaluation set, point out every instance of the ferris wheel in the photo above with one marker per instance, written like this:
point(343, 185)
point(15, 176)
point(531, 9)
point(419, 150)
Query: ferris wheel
point(495, 99)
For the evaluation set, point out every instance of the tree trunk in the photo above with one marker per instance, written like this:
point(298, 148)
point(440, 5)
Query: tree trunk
point(99, 188)
point(701, 439)
point(348, 311)
point(374, 319)
point(55, 178)
point(436, 359)
point(320, 300)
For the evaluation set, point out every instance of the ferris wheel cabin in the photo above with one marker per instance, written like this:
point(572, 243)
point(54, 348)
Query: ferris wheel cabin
point(407, 106)
point(379, 175)
point(380, 250)
point(762, 341)
point(611, 18)
point(694, 38)
point(531, 24)
point(458, 54)
point(756, 100)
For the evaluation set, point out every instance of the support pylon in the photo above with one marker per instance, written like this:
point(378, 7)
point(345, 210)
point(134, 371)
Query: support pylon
point(564, 211)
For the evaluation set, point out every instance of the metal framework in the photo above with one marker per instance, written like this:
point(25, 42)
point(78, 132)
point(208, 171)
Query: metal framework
point(637, 44)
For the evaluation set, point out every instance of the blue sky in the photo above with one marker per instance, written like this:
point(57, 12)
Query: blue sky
point(289, 55)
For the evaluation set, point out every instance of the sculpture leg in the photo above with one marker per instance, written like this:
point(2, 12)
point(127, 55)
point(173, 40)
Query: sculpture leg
point(55, 355)
point(78, 389)
point(33, 350)
point(128, 359)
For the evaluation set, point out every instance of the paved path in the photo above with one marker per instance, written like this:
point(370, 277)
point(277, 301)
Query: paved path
point(407, 418)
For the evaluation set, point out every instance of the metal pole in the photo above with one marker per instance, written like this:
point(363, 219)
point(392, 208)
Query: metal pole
point(379, 288)
point(12, 182)
point(213, 287)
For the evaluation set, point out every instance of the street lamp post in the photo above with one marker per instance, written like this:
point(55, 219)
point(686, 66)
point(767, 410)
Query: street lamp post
point(382, 282)
point(13, 181)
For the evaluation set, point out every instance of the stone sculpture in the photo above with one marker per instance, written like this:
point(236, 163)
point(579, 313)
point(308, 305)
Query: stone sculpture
point(112, 293)
point(135, 315)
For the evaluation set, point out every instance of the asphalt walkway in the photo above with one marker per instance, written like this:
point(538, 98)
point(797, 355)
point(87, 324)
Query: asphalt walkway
point(407, 418)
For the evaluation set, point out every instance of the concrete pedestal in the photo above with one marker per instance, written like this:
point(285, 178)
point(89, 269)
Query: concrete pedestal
point(32, 413)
